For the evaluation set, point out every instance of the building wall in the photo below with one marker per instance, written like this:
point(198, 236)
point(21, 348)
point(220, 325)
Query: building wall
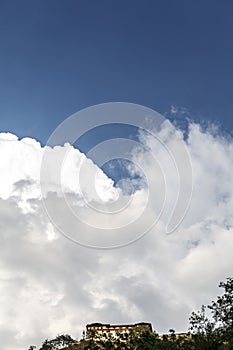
point(113, 330)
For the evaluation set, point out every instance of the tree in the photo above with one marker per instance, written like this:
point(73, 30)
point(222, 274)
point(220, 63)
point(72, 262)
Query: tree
point(141, 339)
point(60, 342)
point(222, 311)
point(204, 331)
point(46, 345)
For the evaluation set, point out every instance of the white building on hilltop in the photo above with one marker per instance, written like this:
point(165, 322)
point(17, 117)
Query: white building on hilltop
point(109, 330)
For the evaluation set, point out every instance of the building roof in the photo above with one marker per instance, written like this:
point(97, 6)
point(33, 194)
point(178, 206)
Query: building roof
point(108, 325)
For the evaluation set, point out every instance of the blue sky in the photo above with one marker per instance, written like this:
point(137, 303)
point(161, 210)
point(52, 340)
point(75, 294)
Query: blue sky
point(58, 57)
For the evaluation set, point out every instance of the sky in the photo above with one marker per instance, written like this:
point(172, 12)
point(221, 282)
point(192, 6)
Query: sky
point(77, 240)
point(58, 57)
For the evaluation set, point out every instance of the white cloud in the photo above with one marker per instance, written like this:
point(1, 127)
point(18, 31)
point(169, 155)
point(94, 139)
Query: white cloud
point(50, 285)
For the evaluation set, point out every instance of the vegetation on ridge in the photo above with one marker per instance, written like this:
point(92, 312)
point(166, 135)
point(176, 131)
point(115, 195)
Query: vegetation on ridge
point(214, 332)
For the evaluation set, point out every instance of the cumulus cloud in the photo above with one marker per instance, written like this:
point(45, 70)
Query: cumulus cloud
point(50, 285)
